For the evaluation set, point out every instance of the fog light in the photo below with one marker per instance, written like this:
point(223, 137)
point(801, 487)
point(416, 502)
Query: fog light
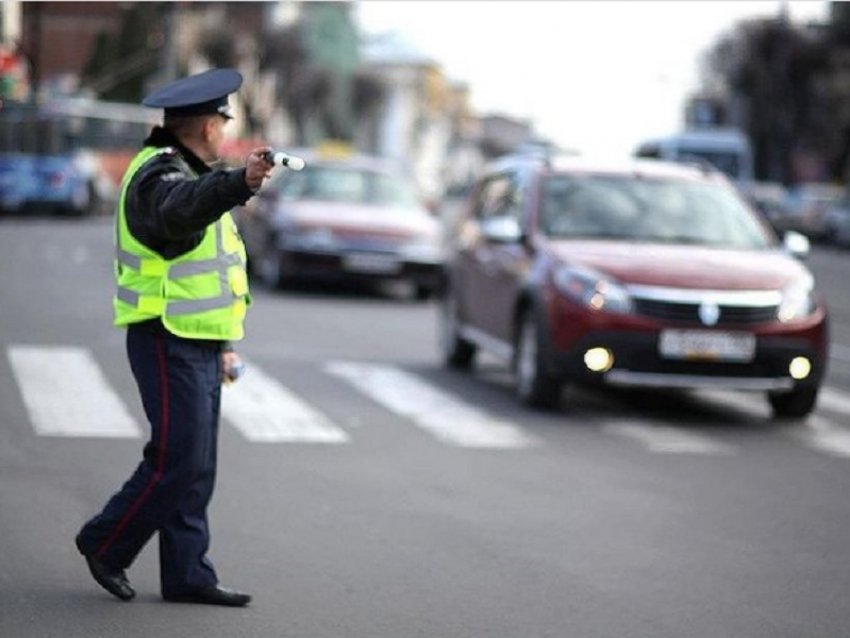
point(599, 359)
point(799, 368)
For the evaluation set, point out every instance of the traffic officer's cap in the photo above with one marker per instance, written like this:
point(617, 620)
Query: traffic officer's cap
point(200, 94)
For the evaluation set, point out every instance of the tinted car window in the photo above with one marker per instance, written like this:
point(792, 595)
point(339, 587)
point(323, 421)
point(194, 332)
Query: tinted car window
point(344, 184)
point(605, 206)
point(500, 196)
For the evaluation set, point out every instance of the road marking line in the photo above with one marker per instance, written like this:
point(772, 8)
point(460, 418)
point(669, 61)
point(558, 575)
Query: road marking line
point(441, 414)
point(263, 410)
point(833, 399)
point(67, 394)
point(669, 440)
point(829, 399)
point(823, 435)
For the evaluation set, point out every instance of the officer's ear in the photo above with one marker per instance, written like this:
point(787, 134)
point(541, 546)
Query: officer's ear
point(208, 129)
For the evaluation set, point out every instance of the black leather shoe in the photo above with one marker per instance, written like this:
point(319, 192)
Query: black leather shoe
point(112, 580)
point(212, 595)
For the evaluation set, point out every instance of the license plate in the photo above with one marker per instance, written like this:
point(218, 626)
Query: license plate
point(378, 263)
point(707, 345)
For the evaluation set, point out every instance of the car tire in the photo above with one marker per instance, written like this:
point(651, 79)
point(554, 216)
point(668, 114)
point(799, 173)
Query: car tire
point(795, 404)
point(270, 270)
point(458, 353)
point(82, 202)
point(423, 292)
point(535, 385)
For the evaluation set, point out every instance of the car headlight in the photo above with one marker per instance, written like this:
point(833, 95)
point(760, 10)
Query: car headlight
point(307, 239)
point(797, 300)
point(593, 289)
point(423, 251)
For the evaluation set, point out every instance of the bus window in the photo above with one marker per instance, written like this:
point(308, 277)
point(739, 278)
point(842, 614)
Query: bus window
point(728, 150)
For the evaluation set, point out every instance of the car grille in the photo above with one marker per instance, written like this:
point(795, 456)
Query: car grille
point(688, 312)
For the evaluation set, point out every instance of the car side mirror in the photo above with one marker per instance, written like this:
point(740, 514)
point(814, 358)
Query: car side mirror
point(501, 230)
point(796, 244)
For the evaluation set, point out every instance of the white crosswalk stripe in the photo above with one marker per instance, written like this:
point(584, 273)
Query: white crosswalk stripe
point(824, 436)
point(264, 410)
point(669, 440)
point(817, 432)
point(66, 393)
point(440, 413)
point(831, 399)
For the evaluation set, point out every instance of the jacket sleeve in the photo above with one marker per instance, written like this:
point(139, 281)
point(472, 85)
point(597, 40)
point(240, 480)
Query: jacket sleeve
point(170, 203)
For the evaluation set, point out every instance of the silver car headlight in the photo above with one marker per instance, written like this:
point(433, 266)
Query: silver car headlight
point(798, 300)
point(593, 289)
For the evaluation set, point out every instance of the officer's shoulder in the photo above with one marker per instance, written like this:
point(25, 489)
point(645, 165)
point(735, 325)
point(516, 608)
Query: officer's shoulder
point(167, 151)
point(165, 156)
point(166, 165)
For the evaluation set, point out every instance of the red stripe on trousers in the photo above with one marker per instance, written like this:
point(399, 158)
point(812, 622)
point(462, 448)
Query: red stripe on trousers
point(163, 446)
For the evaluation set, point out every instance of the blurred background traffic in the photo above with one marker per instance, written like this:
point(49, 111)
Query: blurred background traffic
point(72, 75)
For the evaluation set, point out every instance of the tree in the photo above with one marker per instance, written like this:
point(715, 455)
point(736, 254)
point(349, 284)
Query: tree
point(120, 66)
point(776, 74)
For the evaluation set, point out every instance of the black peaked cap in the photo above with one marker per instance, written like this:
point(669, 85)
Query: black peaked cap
point(200, 94)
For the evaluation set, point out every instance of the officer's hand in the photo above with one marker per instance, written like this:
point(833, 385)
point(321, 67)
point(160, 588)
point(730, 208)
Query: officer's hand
point(231, 367)
point(257, 168)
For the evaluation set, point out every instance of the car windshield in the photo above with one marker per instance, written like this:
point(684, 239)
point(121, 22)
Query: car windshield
point(348, 184)
point(648, 210)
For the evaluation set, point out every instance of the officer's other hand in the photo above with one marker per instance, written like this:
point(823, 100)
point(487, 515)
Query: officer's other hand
point(230, 364)
point(257, 168)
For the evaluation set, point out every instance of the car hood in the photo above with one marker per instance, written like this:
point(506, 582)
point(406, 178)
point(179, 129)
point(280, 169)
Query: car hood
point(684, 266)
point(359, 219)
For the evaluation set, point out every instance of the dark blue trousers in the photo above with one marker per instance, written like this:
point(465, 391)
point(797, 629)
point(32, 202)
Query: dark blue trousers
point(180, 385)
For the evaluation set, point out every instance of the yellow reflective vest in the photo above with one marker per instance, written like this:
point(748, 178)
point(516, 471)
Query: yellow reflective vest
point(201, 294)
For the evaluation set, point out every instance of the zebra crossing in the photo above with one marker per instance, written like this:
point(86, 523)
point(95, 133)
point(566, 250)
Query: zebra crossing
point(67, 394)
point(263, 410)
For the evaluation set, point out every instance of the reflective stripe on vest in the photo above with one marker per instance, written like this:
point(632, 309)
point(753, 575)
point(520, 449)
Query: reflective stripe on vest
point(150, 286)
point(154, 267)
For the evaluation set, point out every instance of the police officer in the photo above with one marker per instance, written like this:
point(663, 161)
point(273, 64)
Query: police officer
point(182, 294)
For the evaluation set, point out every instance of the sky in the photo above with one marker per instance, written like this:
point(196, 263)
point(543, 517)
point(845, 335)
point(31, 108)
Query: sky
point(594, 75)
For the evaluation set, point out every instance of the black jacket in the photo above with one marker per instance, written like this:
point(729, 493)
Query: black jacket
point(175, 196)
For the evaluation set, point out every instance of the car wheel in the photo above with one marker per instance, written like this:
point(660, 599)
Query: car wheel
point(82, 200)
point(423, 292)
point(793, 405)
point(270, 270)
point(535, 386)
point(458, 353)
point(829, 235)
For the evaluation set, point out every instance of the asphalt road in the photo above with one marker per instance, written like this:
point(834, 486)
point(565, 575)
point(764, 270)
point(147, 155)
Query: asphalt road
point(409, 500)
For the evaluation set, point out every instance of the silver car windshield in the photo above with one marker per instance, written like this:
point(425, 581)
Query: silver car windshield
point(348, 184)
point(648, 210)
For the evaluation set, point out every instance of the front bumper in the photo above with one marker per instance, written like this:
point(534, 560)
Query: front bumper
point(359, 266)
point(637, 362)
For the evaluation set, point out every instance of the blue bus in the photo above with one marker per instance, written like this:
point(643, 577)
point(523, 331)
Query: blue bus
point(726, 149)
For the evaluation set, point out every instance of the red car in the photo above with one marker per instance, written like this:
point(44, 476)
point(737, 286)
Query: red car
point(640, 273)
